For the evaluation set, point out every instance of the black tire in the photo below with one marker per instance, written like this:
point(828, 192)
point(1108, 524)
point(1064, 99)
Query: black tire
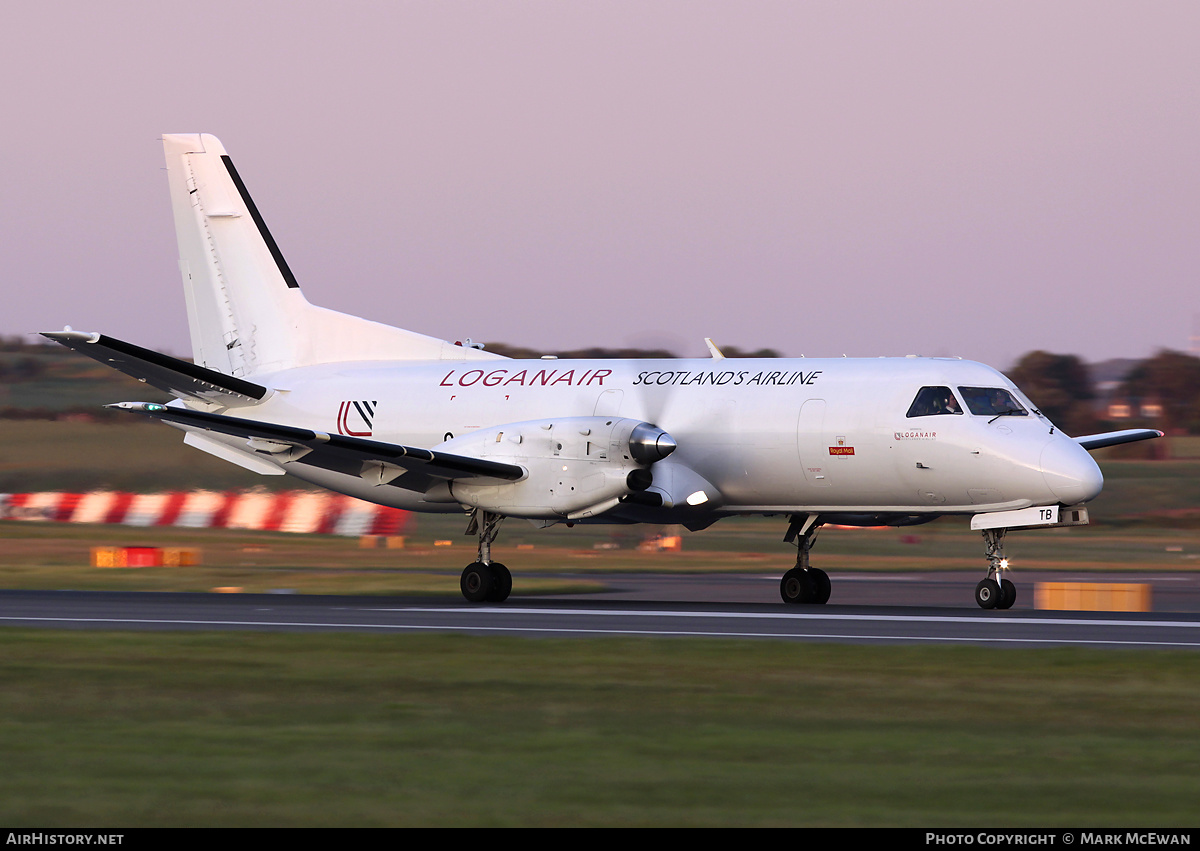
point(1008, 594)
point(822, 586)
point(502, 583)
point(477, 582)
point(987, 594)
point(797, 586)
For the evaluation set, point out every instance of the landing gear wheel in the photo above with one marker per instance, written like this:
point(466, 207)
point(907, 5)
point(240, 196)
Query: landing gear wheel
point(478, 582)
point(988, 594)
point(797, 586)
point(502, 583)
point(1008, 594)
point(804, 584)
point(823, 587)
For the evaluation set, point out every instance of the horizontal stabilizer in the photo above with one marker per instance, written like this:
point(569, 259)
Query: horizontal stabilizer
point(1115, 438)
point(388, 461)
point(171, 375)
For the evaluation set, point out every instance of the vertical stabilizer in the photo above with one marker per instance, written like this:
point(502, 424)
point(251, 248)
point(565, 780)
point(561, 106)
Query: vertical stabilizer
point(246, 313)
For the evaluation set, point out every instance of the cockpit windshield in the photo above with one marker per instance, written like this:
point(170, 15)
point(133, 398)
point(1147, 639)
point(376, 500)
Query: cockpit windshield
point(934, 400)
point(992, 402)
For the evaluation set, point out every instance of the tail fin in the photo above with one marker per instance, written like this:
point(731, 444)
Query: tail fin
point(246, 313)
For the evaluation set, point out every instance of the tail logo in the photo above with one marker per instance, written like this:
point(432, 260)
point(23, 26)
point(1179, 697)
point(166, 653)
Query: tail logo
point(356, 415)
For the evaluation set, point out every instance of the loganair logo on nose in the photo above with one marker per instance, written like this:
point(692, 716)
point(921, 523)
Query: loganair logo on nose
point(356, 419)
point(915, 435)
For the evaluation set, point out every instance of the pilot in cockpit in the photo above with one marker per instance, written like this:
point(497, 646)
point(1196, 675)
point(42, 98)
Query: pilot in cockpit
point(948, 404)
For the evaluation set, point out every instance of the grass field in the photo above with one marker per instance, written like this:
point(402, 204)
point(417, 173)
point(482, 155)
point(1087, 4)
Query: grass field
point(239, 729)
point(208, 729)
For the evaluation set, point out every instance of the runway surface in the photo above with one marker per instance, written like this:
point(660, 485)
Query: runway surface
point(922, 609)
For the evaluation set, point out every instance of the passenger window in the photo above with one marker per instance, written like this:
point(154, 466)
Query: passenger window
point(934, 400)
point(992, 402)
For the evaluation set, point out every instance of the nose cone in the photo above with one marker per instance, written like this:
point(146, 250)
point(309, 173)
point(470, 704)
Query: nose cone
point(1070, 472)
point(649, 443)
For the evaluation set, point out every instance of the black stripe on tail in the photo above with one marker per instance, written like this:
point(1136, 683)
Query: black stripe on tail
point(262, 226)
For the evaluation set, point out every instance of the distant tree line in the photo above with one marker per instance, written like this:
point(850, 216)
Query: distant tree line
point(1160, 392)
point(628, 354)
point(29, 363)
point(24, 368)
point(1172, 381)
point(17, 343)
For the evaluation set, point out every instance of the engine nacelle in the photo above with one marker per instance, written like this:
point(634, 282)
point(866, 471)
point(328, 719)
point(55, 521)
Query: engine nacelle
point(575, 467)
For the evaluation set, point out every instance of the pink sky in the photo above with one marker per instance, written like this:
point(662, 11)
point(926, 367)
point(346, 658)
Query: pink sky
point(976, 179)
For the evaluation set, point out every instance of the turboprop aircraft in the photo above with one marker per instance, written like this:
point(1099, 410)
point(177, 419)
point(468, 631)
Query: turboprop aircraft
point(280, 386)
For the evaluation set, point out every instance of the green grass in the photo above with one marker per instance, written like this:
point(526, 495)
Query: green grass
point(67, 381)
point(129, 454)
point(1163, 493)
point(170, 729)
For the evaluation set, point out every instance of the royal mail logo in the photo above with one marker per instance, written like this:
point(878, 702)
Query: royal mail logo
point(841, 450)
point(915, 435)
point(356, 419)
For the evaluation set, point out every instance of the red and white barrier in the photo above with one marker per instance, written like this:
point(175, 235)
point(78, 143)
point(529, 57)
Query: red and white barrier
point(283, 511)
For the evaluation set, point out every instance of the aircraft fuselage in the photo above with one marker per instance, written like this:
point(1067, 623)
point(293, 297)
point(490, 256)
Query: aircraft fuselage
point(779, 435)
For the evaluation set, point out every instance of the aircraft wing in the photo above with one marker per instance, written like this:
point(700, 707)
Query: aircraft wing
point(386, 463)
point(1114, 438)
point(171, 375)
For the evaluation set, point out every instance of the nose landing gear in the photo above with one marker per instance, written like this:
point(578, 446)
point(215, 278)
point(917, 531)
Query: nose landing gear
point(996, 591)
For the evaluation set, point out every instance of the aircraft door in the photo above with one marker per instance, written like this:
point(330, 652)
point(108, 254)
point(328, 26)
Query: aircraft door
point(812, 444)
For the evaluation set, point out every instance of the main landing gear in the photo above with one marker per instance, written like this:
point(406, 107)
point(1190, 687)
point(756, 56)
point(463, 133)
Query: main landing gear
point(996, 591)
point(804, 584)
point(485, 581)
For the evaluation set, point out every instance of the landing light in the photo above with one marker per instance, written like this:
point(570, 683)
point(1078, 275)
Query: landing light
point(1004, 564)
point(698, 498)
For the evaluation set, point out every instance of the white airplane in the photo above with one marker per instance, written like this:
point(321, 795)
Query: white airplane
point(280, 386)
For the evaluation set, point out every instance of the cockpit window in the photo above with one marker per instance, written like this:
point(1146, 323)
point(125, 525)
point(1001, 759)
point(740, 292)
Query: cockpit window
point(934, 400)
point(992, 402)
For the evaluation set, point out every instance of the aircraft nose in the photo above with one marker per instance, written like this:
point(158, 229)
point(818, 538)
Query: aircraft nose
point(1070, 472)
